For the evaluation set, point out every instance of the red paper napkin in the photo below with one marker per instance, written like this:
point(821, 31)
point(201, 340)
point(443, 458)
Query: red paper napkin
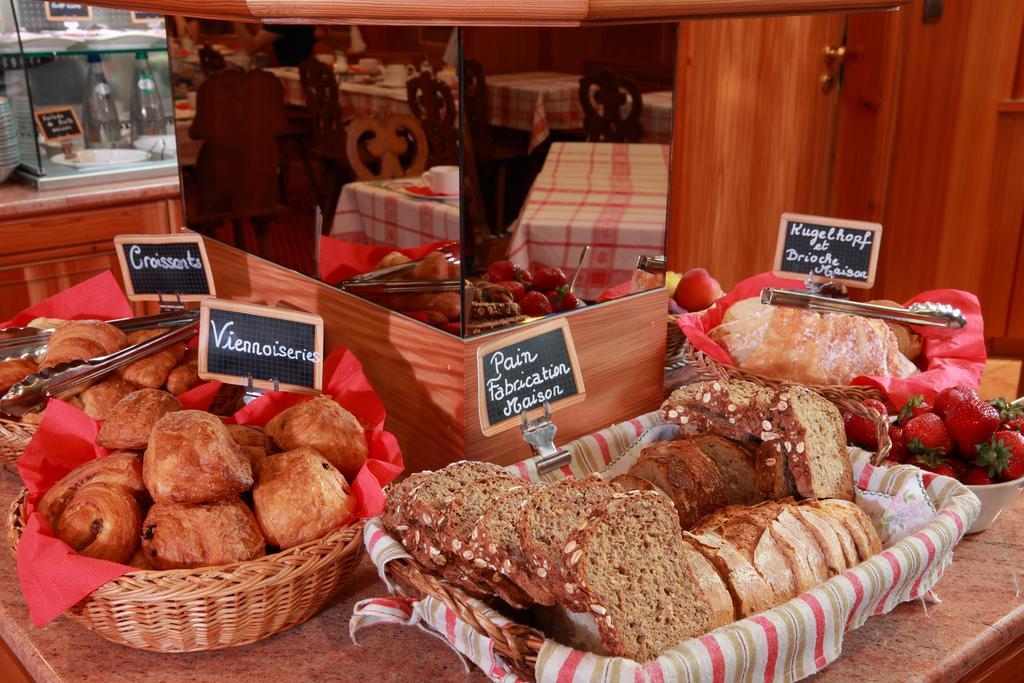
point(53, 577)
point(949, 357)
point(98, 298)
point(340, 260)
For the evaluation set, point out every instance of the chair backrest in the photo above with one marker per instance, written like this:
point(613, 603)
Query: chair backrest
point(431, 102)
point(474, 94)
point(210, 60)
point(611, 108)
point(381, 148)
point(321, 90)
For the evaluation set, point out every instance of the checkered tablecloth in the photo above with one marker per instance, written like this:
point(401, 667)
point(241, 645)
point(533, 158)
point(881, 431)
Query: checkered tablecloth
point(357, 99)
point(611, 196)
point(543, 101)
point(375, 213)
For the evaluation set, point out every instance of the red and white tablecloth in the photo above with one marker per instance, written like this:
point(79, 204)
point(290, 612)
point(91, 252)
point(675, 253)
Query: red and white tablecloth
point(611, 196)
point(377, 213)
point(357, 99)
point(542, 101)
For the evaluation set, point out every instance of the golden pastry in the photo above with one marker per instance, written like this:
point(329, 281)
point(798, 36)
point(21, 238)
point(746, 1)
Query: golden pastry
point(101, 521)
point(394, 258)
point(140, 561)
point(45, 323)
point(191, 458)
point(99, 399)
point(185, 375)
point(253, 441)
point(151, 371)
point(132, 418)
point(325, 426)
point(120, 468)
point(300, 497)
point(13, 371)
point(82, 339)
point(176, 536)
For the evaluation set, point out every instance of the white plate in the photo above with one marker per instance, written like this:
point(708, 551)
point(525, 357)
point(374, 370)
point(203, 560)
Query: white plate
point(151, 144)
point(102, 158)
point(124, 40)
point(36, 42)
point(403, 187)
point(390, 84)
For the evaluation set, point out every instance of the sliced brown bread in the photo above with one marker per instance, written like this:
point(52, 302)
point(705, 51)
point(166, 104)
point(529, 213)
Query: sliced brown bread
point(689, 477)
point(843, 535)
point(630, 482)
point(751, 593)
point(630, 571)
point(397, 493)
point(712, 587)
point(826, 536)
point(772, 477)
point(802, 549)
point(857, 522)
point(459, 517)
point(548, 518)
point(729, 409)
point(737, 465)
point(495, 540)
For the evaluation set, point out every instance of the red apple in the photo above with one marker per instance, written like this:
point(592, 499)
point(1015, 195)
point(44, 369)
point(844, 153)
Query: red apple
point(697, 290)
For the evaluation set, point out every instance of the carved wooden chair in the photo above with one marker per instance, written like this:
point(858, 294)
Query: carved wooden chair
point(611, 108)
point(432, 104)
point(211, 61)
point(382, 148)
point(320, 87)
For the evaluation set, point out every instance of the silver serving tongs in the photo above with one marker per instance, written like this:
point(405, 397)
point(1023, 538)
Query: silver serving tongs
point(33, 391)
point(393, 271)
point(403, 287)
point(25, 342)
point(926, 313)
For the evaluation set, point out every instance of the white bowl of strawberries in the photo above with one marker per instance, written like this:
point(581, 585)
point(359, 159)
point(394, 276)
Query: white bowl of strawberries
point(978, 442)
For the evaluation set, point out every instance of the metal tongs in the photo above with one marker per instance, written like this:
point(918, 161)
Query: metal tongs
point(374, 288)
point(926, 313)
point(394, 271)
point(26, 342)
point(33, 391)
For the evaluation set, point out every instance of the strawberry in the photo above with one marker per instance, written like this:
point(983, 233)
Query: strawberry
point(503, 271)
point(959, 466)
point(1003, 455)
point(562, 299)
point(943, 470)
point(860, 429)
point(1016, 424)
point(933, 462)
point(549, 279)
point(1011, 415)
point(899, 451)
point(969, 422)
point(925, 434)
point(915, 405)
point(516, 289)
point(976, 476)
point(535, 304)
point(947, 396)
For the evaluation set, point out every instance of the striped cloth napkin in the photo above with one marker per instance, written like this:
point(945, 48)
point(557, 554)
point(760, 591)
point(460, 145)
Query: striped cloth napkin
point(920, 517)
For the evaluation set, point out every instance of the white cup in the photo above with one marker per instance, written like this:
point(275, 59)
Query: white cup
point(340, 60)
point(397, 74)
point(326, 58)
point(443, 180)
point(369, 65)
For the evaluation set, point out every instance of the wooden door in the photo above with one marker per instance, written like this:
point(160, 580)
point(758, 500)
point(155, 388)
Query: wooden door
point(754, 133)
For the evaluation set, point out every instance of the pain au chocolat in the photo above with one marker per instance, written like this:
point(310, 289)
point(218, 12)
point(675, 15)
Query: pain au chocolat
point(323, 425)
point(131, 419)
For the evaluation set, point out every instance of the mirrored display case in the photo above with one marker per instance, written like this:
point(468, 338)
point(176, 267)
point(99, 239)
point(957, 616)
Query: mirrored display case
point(89, 92)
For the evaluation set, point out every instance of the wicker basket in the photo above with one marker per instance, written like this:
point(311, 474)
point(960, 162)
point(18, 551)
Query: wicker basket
point(190, 610)
point(14, 436)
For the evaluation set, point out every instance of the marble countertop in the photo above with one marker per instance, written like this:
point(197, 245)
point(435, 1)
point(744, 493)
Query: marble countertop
point(19, 199)
point(981, 610)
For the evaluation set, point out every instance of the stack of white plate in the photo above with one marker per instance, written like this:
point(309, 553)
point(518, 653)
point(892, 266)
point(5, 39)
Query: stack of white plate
point(9, 155)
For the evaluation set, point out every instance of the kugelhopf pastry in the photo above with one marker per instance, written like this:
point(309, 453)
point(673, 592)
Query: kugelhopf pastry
point(253, 441)
point(13, 371)
point(99, 399)
point(82, 339)
point(185, 375)
point(191, 458)
point(151, 371)
point(300, 497)
point(120, 468)
point(808, 347)
point(132, 418)
point(178, 536)
point(323, 425)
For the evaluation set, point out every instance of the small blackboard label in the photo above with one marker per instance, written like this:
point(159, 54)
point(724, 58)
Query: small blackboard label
point(846, 251)
point(275, 348)
point(58, 123)
point(146, 17)
point(65, 11)
point(522, 371)
point(164, 267)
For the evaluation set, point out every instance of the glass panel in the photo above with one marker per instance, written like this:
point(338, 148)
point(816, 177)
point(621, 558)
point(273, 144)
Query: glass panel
point(551, 173)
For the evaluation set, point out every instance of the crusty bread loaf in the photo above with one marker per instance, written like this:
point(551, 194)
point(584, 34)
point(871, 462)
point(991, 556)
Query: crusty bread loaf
point(825, 535)
point(737, 465)
point(662, 602)
point(630, 482)
point(843, 536)
point(865, 536)
point(751, 593)
point(802, 549)
point(689, 477)
point(818, 460)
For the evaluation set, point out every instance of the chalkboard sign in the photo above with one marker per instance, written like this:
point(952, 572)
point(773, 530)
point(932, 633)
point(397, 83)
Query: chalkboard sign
point(146, 17)
point(67, 11)
point(519, 372)
point(239, 341)
point(164, 267)
point(846, 251)
point(58, 123)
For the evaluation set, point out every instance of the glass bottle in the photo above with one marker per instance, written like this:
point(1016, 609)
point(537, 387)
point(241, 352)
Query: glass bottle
point(146, 108)
point(102, 126)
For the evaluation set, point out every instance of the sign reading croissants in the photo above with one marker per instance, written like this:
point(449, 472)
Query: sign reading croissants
point(260, 346)
point(165, 267)
point(843, 250)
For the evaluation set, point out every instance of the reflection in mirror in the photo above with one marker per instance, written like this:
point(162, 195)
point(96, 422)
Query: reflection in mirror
point(566, 134)
point(280, 124)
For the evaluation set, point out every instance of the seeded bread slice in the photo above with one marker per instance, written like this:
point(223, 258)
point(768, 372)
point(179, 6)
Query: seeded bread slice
point(751, 593)
point(689, 477)
point(849, 548)
point(772, 477)
point(630, 570)
point(729, 409)
point(544, 525)
point(397, 494)
point(460, 516)
point(857, 522)
point(737, 465)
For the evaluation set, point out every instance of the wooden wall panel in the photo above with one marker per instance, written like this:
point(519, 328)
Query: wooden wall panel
point(1007, 206)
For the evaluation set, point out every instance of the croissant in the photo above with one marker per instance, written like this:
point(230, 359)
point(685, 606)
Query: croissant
point(82, 339)
point(185, 375)
point(253, 441)
point(13, 371)
point(121, 468)
point(185, 536)
point(102, 521)
point(152, 371)
point(132, 418)
point(326, 427)
point(99, 399)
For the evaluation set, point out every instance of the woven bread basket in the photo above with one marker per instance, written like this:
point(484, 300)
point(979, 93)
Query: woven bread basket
point(190, 610)
point(519, 644)
point(14, 436)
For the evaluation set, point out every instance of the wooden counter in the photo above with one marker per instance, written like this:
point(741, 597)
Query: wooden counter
point(980, 620)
